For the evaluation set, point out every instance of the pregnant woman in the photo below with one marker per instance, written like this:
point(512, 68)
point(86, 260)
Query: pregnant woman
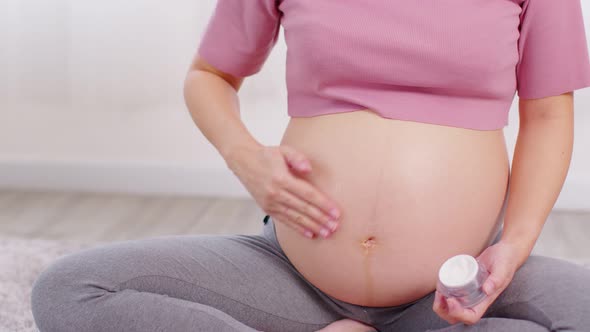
point(394, 160)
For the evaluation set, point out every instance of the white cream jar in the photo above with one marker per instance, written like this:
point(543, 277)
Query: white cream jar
point(461, 277)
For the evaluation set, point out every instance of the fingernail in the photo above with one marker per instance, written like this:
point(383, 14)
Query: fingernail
point(324, 232)
point(334, 213)
point(332, 225)
point(308, 234)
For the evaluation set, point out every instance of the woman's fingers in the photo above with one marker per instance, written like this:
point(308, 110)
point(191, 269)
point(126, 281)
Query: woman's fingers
point(442, 306)
point(296, 159)
point(457, 312)
point(298, 228)
point(298, 200)
point(305, 191)
point(304, 221)
point(452, 311)
point(311, 213)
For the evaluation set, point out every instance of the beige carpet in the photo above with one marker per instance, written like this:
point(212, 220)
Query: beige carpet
point(21, 261)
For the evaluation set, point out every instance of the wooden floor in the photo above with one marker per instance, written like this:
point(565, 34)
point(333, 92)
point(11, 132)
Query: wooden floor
point(112, 217)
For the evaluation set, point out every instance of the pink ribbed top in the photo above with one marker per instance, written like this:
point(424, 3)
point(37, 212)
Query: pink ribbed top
point(447, 62)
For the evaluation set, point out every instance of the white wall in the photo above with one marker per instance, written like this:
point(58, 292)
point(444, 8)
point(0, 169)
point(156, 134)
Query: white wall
point(91, 99)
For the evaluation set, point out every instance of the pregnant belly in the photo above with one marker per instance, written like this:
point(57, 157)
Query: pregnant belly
point(410, 194)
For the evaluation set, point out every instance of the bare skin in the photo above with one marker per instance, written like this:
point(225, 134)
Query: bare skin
point(411, 195)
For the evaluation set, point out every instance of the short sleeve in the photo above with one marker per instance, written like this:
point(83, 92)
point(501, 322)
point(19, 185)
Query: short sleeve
point(240, 35)
point(553, 50)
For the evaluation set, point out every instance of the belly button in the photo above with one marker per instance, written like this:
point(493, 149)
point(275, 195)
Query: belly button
point(369, 243)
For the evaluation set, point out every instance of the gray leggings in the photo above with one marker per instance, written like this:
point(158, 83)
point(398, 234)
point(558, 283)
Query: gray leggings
point(246, 283)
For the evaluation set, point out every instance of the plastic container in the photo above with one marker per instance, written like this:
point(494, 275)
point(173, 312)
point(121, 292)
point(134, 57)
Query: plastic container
point(461, 277)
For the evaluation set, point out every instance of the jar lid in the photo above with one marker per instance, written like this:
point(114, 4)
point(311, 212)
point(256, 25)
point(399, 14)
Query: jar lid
point(458, 271)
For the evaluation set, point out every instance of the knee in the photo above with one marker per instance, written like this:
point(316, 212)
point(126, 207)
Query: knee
point(551, 292)
point(59, 292)
point(554, 276)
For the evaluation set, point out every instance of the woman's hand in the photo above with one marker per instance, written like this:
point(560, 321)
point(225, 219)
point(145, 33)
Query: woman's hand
point(269, 175)
point(500, 260)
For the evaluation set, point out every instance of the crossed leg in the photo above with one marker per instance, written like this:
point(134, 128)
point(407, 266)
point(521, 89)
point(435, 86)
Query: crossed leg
point(177, 283)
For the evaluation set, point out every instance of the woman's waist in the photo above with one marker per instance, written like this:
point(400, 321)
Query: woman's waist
point(347, 120)
point(356, 140)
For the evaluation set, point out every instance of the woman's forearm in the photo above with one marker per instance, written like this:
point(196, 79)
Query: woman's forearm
point(214, 107)
point(540, 164)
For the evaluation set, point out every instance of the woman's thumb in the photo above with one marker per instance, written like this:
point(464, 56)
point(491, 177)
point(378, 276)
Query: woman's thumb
point(295, 159)
point(489, 286)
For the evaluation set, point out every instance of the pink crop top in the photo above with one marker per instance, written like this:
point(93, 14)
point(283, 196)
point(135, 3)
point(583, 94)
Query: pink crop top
point(447, 62)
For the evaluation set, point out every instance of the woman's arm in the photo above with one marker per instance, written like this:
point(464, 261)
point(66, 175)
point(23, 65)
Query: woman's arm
point(267, 172)
point(212, 100)
point(540, 164)
point(541, 160)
